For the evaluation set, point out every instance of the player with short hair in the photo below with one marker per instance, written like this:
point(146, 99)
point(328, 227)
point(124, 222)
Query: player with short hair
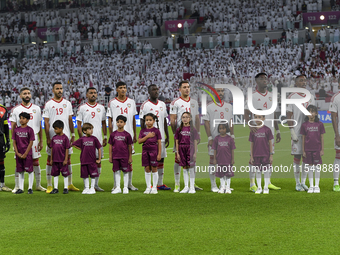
point(216, 111)
point(5, 146)
point(58, 108)
point(293, 112)
point(262, 99)
point(158, 108)
point(178, 106)
point(95, 114)
point(35, 123)
point(122, 105)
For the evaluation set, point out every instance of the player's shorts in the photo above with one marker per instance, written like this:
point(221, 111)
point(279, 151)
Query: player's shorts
point(222, 171)
point(121, 164)
point(312, 158)
point(102, 149)
point(58, 167)
point(149, 158)
point(48, 150)
point(297, 147)
point(24, 165)
point(273, 149)
point(2, 147)
point(261, 163)
point(89, 170)
point(184, 153)
point(35, 152)
point(163, 152)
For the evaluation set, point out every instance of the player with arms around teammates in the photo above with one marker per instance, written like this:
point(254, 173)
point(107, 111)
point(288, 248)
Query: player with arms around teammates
point(95, 114)
point(158, 108)
point(35, 123)
point(122, 105)
point(58, 108)
point(178, 106)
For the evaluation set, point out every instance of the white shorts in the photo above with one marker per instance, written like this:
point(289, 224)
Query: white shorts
point(297, 147)
point(102, 149)
point(35, 152)
point(163, 153)
point(48, 150)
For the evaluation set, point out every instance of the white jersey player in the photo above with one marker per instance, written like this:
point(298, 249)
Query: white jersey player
point(295, 113)
point(58, 108)
point(334, 108)
point(158, 108)
point(262, 100)
point(95, 114)
point(180, 105)
point(122, 105)
point(216, 111)
point(35, 123)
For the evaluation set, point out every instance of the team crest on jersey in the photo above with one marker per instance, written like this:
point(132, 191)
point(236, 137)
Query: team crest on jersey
point(161, 108)
point(98, 110)
point(64, 105)
point(129, 105)
point(227, 110)
point(34, 111)
point(192, 106)
point(270, 99)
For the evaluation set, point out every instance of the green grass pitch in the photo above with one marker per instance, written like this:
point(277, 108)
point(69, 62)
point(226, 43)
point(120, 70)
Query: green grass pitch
point(283, 222)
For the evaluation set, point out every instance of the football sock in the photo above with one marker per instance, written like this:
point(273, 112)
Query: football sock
point(148, 179)
point(228, 179)
point(186, 177)
point(177, 172)
point(297, 173)
point(93, 181)
point(258, 179)
point(21, 180)
point(304, 174)
point(97, 178)
point(317, 176)
point(266, 179)
point(160, 176)
point(86, 183)
point(56, 179)
point(65, 182)
point(126, 179)
point(70, 176)
point(336, 169)
point(192, 177)
point(212, 175)
point(154, 179)
point(117, 178)
point(16, 179)
point(30, 180)
point(48, 175)
point(37, 173)
point(310, 175)
point(130, 178)
point(251, 175)
point(222, 183)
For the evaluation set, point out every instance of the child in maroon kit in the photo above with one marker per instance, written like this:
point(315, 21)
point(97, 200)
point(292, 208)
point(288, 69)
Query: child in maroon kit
point(120, 151)
point(224, 147)
point(88, 160)
point(261, 153)
point(312, 131)
point(23, 138)
point(60, 145)
point(186, 138)
point(151, 139)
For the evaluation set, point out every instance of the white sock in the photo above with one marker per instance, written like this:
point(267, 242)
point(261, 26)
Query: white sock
point(21, 180)
point(70, 176)
point(117, 178)
point(56, 179)
point(177, 172)
point(148, 179)
point(297, 173)
point(86, 183)
point(336, 170)
point(16, 179)
point(126, 179)
point(228, 180)
point(37, 173)
point(66, 182)
point(186, 178)
point(130, 178)
point(317, 176)
point(266, 179)
point(97, 178)
point(93, 181)
point(160, 176)
point(154, 179)
point(48, 175)
point(114, 180)
point(30, 180)
point(258, 179)
point(310, 175)
point(252, 173)
point(212, 176)
point(304, 174)
point(192, 177)
point(222, 183)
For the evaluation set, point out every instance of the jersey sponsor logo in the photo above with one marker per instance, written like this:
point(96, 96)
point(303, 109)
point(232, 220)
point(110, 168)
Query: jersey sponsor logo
point(64, 105)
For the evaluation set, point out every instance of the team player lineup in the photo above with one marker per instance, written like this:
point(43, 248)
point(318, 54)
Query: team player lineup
point(306, 138)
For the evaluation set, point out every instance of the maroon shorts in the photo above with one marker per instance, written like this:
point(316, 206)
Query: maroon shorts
point(184, 153)
point(121, 164)
point(149, 158)
point(312, 158)
point(58, 167)
point(24, 165)
point(89, 170)
point(222, 171)
point(261, 162)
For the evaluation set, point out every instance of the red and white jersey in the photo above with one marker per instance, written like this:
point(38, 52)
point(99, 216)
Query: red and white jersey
point(61, 110)
point(334, 106)
point(179, 106)
point(263, 102)
point(214, 112)
point(126, 108)
point(33, 110)
point(297, 114)
point(93, 114)
point(159, 110)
